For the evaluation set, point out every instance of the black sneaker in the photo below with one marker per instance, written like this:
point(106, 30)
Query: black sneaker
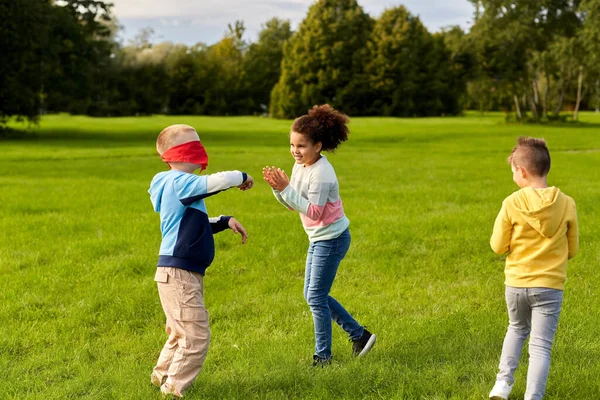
point(321, 362)
point(363, 345)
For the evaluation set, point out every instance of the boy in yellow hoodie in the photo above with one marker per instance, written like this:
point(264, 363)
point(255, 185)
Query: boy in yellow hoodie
point(537, 227)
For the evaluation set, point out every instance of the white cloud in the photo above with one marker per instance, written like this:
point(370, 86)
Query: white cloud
point(208, 19)
point(294, 9)
point(191, 8)
point(170, 22)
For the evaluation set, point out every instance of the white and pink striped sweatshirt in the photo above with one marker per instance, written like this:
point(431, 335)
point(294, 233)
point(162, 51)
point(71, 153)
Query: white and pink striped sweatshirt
point(314, 192)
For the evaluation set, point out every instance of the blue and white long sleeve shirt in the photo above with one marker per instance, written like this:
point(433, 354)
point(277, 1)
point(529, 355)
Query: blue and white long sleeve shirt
point(187, 231)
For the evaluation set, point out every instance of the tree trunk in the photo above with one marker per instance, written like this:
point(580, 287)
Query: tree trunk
point(597, 95)
point(578, 102)
point(536, 97)
point(535, 101)
point(517, 107)
point(533, 107)
point(545, 97)
point(561, 96)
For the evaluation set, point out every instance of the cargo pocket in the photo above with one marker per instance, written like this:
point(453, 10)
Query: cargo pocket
point(161, 275)
point(193, 323)
point(190, 314)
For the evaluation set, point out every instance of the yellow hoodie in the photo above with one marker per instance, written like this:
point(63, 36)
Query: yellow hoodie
point(538, 229)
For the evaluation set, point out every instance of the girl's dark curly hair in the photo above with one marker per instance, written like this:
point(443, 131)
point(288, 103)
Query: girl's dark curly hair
point(323, 124)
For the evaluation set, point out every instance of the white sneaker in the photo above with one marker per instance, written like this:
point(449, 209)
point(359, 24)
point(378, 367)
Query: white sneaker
point(156, 380)
point(501, 390)
point(168, 392)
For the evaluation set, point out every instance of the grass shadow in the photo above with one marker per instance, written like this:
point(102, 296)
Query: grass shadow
point(85, 138)
point(8, 133)
point(554, 124)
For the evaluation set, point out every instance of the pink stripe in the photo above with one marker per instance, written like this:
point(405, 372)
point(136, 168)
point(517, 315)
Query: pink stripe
point(315, 212)
point(325, 215)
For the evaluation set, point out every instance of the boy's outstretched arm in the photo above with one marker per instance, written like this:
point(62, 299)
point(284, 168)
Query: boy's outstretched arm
point(500, 240)
point(224, 180)
point(236, 227)
point(191, 188)
point(218, 224)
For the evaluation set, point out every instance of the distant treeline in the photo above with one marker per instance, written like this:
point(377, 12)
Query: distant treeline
point(532, 58)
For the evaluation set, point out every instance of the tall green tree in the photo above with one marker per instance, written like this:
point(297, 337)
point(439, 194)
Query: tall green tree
point(262, 63)
point(82, 46)
point(225, 58)
point(191, 77)
point(589, 39)
point(23, 27)
point(323, 60)
point(208, 79)
point(462, 61)
point(409, 71)
point(513, 40)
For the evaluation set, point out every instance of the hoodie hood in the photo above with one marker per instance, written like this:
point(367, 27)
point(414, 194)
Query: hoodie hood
point(157, 187)
point(543, 209)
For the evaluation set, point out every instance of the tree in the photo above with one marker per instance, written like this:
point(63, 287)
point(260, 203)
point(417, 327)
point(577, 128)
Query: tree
point(322, 60)
point(225, 59)
point(262, 63)
point(462, 61)
point(589, 38)
point(514, 43)
point(21, 56)
point(207, 80)
point(142, 40)
point(502, 36)
point(78, 49)
point(409, 70)
point(191, 79)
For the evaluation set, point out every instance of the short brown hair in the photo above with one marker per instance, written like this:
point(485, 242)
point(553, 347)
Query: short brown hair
point(532, 154)
point(323, 124)
point(171, 136)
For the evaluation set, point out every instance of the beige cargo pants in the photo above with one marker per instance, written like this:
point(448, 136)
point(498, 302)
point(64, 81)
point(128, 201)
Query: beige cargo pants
point(182, 297)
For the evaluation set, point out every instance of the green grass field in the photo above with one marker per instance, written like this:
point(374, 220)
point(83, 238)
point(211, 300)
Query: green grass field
point(80, 313)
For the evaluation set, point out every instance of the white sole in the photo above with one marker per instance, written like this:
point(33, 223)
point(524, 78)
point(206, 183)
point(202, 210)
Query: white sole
point(368, 346)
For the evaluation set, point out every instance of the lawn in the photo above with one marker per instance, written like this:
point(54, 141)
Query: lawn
point(79, 242)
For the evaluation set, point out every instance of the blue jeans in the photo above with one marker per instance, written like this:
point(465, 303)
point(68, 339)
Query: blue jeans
point(535, 311)
point(322, 262)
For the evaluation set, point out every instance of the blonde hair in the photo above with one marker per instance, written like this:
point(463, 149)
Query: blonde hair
point(532, 154)
point(172, 136)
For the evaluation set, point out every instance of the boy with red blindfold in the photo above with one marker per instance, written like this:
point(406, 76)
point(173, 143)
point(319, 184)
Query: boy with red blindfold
point(186, 250)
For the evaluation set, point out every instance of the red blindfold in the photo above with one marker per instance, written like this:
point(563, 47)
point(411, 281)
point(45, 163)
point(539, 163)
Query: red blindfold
point(190, 152)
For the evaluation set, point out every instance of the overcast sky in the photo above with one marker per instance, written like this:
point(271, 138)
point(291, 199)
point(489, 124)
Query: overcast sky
point(192, 21)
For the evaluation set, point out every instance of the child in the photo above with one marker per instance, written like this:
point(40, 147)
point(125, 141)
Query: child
point(187, 249)
point(537, 226)
point(313, 192)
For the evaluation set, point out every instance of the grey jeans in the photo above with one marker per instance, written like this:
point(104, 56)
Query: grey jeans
point(535, 311)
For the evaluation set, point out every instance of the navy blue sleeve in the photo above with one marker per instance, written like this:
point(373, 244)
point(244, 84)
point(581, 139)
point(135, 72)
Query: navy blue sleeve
point(219, 224)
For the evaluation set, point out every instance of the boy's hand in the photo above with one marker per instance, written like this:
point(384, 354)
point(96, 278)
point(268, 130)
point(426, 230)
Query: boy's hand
point(276, 177)
point(236, 227)
point(248, 184)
